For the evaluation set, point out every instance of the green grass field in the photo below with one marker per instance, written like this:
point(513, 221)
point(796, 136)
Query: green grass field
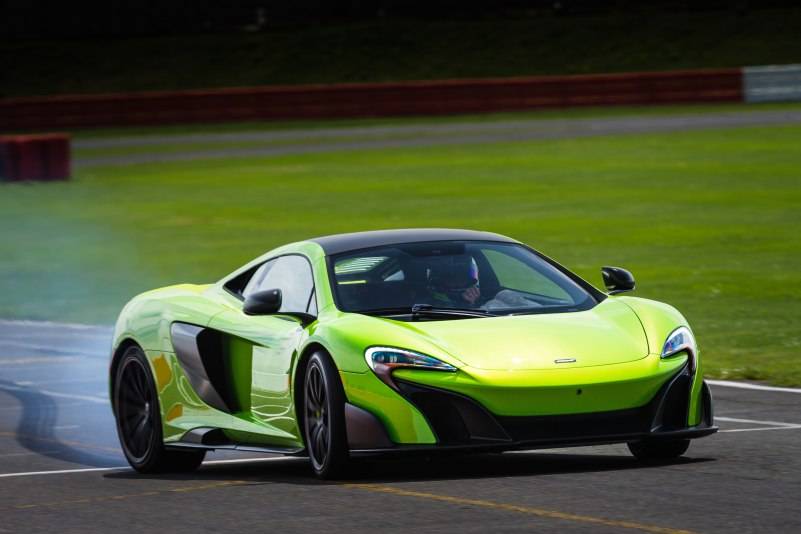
point(516, 44)
point(708, 221)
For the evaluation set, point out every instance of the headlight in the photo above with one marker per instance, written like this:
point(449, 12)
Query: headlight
point(384, 360)
point(680, 340)
point(394, 358)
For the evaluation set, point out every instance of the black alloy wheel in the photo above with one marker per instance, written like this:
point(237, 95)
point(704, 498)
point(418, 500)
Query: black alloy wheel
point(324, 417)
point(136, 409)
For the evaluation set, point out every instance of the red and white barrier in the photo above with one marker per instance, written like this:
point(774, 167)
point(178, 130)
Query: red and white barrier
point(371, 100)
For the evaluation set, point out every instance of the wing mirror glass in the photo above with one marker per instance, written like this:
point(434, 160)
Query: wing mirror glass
point(617, 280)
point(263, 302)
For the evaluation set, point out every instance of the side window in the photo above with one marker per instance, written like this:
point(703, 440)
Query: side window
point(255, 282)
point(292, 275)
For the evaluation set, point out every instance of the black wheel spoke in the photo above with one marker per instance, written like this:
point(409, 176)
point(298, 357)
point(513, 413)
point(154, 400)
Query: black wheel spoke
point(313, 403)
point(128, 396)
point(133, 439)
point(141, 383)
point(323, 438)
point(320, 443)
point(314, 387)
point(129, 416)
point(320, 390)
point(140, 424)
point(315, 441)
point(140, 439)
point(133, 385)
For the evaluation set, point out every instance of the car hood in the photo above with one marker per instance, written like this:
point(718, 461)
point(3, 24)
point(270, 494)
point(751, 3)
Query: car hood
point(607, 334)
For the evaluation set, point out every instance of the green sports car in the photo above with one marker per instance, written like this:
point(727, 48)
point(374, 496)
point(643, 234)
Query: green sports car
point(401, 341)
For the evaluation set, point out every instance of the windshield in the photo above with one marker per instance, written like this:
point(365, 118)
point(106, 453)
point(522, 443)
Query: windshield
point(497, 278)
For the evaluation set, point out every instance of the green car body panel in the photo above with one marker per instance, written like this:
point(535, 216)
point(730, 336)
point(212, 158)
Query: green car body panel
point(506, 363)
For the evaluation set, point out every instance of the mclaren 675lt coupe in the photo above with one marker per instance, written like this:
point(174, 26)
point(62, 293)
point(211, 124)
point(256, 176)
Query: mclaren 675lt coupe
point(400, 341)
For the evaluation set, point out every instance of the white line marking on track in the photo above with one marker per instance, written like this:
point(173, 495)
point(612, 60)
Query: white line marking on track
point(746, 385)
point(91, 380)
point(762, 428)
point(755, 422)
point(126, 468)
point(52, 324)
point(57, 349)
point(62, 472)
point(765, 425)
point(39, 359)
point(88, 398)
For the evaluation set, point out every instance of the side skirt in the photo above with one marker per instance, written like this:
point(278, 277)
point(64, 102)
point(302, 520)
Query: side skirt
point(364, 431)
point(211, 439)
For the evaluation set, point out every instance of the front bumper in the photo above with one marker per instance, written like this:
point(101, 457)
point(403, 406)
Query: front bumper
point(459, 422)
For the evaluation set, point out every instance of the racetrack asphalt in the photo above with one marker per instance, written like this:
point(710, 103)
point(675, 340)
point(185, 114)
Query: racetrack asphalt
point(61, 470)
point(320, 140)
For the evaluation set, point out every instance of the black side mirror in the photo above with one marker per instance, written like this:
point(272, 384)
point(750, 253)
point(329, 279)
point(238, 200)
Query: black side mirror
point(268, 302)
point(617, 280)
point(263, 302)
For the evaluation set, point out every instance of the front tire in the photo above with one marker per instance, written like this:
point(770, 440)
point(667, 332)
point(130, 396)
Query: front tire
point(324, 417)
point(136, 409)
point(659, 450)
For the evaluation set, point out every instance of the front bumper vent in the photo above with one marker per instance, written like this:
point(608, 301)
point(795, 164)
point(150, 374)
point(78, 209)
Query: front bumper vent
point(458, 420)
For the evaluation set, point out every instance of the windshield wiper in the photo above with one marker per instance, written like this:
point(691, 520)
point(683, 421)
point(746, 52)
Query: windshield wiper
point(429, 310)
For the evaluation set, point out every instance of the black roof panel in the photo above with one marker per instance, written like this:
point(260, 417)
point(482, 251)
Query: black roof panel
point(335, 244)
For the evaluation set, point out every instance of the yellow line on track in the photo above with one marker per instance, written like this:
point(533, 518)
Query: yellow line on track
point(527, 510)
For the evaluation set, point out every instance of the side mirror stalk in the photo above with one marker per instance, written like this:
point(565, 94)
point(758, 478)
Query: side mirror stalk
point(305, 318)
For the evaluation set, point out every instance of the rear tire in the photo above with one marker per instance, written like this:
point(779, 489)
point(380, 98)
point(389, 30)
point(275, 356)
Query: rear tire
point(656, 450)
point(324, 417)
point(136, 410)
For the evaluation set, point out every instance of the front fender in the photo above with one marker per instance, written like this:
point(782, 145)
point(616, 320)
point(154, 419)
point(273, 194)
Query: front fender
point(658, 321)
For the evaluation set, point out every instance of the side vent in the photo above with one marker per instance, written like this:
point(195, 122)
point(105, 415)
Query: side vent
point(202, 356)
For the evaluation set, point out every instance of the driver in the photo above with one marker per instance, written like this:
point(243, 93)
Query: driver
point(453, 281)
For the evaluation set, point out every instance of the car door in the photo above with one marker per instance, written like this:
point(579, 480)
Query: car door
point(263, 348)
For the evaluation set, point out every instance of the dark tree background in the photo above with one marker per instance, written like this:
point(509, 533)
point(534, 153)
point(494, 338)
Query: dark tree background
point(27, 19)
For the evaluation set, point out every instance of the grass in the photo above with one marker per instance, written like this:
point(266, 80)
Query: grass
point(708, 221)
point(404, 49)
